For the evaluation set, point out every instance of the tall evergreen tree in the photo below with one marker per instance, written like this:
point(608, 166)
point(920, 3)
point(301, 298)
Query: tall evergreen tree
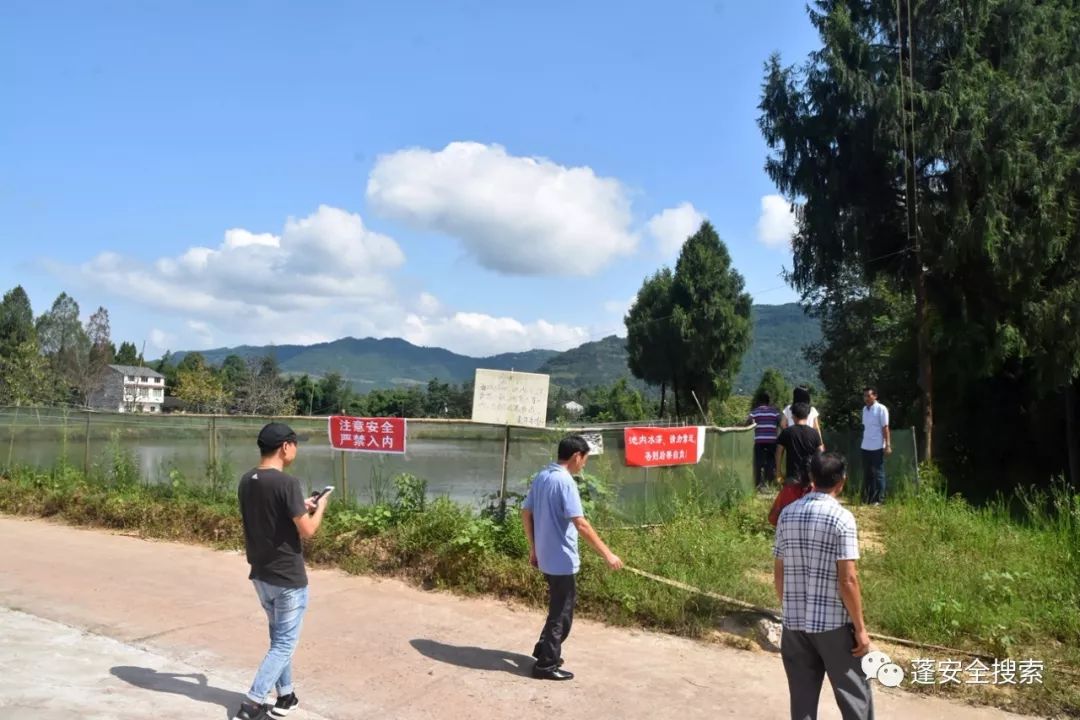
point(16, 320)
point(651, 337)
point(939, 147)
point(711, 313)
point(128, 354)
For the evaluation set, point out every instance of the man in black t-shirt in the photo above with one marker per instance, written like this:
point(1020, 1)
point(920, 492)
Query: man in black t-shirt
point(799, 442)
point(276, 516)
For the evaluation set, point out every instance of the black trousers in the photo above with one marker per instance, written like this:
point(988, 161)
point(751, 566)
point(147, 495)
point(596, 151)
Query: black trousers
point(873, 462)
point(764, 464)
point(562, 594)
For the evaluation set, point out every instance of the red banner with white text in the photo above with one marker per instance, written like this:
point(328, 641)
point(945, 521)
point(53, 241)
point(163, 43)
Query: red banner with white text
point(660, 446)
point(374, 435)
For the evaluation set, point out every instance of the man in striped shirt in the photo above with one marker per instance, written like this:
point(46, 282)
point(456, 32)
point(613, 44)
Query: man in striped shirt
point(767, 419)
point(816, 548)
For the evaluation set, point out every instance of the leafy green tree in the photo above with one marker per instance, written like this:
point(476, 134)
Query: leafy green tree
point(393, 402)
point(869, 340)
point(63, 341)
point(167, 367)
point(128, 354)
point(264, 391)
point(192, 361)
point(941, 153)
point(303, 392)
point(618, 403)
point(438, 399)
point(25, 377)
point(235, 378)
point(16, 320)
point(775, 386)
point(333, 394)
point(711, 312)
point(94, 354)
point(651, 336)
point(200, 388)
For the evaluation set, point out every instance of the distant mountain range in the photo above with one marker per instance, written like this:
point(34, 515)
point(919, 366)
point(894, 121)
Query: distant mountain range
point(780, 333)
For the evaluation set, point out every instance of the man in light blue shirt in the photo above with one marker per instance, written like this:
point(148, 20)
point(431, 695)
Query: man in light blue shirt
point(553, 517)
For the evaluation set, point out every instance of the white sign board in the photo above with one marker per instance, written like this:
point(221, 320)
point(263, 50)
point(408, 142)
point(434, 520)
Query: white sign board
point(596, 442)
point(505, 397)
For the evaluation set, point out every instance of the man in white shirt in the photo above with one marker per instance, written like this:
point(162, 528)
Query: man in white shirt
point(876, 444)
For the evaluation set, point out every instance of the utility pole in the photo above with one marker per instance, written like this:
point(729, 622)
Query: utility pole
point(907, 105)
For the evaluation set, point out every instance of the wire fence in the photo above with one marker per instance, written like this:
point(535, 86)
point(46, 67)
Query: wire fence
point(458, 459)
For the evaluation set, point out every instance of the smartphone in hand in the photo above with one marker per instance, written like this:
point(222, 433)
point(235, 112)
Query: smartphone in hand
point(319, 493)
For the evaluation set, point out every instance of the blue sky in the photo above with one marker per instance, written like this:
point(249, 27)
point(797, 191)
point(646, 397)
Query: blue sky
point(483, 176)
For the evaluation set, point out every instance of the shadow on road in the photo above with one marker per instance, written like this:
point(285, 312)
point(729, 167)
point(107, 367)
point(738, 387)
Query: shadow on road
point(475, 658)
point(192, 685)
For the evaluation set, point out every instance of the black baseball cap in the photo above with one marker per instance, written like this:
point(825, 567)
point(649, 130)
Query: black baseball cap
point(274, 435)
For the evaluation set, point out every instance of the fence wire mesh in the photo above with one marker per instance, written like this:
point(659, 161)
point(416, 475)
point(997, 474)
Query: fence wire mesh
point(458, 459)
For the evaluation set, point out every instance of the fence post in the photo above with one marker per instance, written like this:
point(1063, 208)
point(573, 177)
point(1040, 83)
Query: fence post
point(213, 456)
point(11, 441)
point(86, 446)
point(344, 477)
point(505, 465)
point(645, 482)
point(915, 457)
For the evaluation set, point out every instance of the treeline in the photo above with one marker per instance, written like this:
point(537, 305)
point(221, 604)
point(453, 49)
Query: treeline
point(938, 238)
point(56, 359)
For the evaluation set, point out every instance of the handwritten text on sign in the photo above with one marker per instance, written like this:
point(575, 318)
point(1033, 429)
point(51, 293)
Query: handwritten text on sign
point(375, 435)
point(658, 446)
point(503, 397)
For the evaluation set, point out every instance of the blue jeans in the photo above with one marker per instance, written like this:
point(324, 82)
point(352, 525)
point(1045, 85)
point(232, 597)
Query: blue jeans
point(285, 610)
point(873, 462)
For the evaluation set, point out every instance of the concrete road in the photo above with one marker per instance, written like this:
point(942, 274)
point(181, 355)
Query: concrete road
point(112, 626)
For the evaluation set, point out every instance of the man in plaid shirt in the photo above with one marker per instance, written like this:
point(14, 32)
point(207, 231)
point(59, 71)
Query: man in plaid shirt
point(816, 548)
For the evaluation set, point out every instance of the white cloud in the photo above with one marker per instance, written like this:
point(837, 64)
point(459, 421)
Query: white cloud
point(777, 223)
point(620, 307)
point(514, 215)
point(160, 340)
point(325, 276)
point(479, 334)
point(428, 304)
point(673, 226)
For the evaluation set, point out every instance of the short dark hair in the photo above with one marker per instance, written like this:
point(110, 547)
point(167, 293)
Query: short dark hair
point(870, 389)
point(801, 394)
point(764, 398)
point(800, 411)
point(827, 470)
point(572, 445)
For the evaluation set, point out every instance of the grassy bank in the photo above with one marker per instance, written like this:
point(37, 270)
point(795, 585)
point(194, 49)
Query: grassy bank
point(1003, 580)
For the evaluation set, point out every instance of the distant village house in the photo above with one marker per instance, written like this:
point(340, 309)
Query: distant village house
point(128, 388)
point(573, 408)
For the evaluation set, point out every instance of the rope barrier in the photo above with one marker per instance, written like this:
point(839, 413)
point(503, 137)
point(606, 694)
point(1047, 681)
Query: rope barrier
point(777, 616)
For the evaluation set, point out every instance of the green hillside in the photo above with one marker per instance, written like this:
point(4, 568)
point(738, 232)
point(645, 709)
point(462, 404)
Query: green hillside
point(780, 333)
point(594, 363)
point(371, 363)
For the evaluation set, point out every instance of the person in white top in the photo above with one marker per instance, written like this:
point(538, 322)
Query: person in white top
point(801, 395)
point(876, 444)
